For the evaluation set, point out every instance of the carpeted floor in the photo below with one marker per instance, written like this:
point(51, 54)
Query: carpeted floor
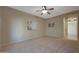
point(43, 45)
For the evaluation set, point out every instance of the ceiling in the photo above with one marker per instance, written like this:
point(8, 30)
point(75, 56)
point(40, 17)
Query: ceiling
point(58, 10)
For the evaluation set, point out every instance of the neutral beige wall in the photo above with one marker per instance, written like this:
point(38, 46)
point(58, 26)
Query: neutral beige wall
point(57, 30)
point(14, 26)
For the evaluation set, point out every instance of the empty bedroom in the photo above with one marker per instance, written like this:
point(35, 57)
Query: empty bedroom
point(39, 29)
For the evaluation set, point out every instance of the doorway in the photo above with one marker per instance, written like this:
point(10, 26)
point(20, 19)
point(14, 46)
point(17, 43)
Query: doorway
point(71, 28)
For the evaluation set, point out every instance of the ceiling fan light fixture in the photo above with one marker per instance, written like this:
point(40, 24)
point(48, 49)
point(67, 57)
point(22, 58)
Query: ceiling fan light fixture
point(44, 11)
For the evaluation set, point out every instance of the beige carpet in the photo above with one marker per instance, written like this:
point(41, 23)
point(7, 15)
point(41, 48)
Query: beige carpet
point(43, 45)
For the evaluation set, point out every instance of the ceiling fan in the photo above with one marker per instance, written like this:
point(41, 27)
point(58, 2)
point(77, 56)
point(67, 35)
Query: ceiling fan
point(45, 10)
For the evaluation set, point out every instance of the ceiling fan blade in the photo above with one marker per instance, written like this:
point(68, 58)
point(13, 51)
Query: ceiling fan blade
point(48, 12)
point(51, 9)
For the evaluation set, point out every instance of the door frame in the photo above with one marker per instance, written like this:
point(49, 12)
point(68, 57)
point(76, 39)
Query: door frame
point(66, 25)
